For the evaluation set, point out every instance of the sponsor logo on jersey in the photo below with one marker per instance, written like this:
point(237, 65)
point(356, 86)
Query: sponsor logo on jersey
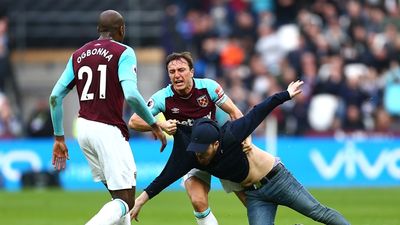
point(203, 101)
point(175, 110)
point(150, 103)
point(190, 121)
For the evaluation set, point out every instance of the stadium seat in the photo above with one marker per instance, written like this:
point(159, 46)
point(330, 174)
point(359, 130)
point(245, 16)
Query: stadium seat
point(322, 111)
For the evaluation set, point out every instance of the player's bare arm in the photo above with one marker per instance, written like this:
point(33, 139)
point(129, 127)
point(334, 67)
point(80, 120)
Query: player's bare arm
point(138, 124)
point(229, 107)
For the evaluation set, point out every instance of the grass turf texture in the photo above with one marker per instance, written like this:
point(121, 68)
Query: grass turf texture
point(49, 207)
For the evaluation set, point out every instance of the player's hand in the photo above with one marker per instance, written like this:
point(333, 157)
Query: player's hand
point(246, 145)
point(158, 134)
point(169, 126)
point(139, 202)
point(294, 88)
point(60, 153)
point(135, 212)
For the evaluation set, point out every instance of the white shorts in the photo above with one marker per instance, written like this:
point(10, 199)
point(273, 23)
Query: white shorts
point(228, 185)
point(108, 153)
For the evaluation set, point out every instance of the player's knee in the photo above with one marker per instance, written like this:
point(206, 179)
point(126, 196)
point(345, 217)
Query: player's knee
point(200, 203)
point(130, 203)
point(127, 196)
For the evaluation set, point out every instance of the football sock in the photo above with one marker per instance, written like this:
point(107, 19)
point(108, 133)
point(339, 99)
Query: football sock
point(110, 213)
point(205, 218)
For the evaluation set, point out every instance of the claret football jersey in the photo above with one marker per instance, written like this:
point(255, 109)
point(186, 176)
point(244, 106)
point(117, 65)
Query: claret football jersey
point(96, 69)
point(203, 100)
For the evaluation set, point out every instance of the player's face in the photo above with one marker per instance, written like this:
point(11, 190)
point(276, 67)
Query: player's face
point(181, 76)
point(206, 157)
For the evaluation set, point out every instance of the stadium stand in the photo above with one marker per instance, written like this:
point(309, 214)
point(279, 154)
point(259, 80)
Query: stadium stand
point(277, 41)
point(70, 23)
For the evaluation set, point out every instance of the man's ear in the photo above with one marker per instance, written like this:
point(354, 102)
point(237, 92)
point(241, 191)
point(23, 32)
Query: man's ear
point(192, 72)
point(122, 30)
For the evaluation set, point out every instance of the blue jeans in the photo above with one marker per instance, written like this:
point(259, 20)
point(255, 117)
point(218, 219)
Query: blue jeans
point(284, 189)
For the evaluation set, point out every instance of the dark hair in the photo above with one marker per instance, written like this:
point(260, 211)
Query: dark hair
point(179, 55)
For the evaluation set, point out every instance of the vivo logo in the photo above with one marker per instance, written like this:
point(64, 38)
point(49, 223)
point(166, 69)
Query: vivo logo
point(8, 161)
point(350, 158)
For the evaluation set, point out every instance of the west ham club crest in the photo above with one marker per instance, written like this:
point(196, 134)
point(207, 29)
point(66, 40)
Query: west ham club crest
point(203, 101)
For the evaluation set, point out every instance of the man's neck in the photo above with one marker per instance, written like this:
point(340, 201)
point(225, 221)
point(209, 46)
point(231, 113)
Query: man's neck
point(105, 36)
point(187, 92)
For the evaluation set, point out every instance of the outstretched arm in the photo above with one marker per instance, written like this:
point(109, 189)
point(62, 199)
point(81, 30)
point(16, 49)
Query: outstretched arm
point(244, 126)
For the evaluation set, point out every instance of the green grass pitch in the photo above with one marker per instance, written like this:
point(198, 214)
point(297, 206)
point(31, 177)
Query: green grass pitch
point(362, 206)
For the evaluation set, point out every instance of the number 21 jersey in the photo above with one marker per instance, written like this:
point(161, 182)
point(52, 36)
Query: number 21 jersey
point(96, 69)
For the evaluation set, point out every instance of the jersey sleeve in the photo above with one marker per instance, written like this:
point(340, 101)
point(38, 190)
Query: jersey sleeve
point(127, 75)
point(60, 90)
point(67, 77)
point(216, 92)
point(156, 103)
point(127, 65)
point(221, 116)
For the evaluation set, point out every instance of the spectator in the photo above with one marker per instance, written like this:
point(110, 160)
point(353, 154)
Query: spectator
point(353, 120)
point(39, 122)
point(392, 90)
point(232, 54)
point(383, 122)
point(10, 125)
point(259, 79)
point(8, 83)
point(209, 63)
point(333, 35)
point(172, 38)
point(268, 46)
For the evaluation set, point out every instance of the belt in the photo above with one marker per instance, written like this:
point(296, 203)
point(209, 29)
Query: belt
point(265, 179)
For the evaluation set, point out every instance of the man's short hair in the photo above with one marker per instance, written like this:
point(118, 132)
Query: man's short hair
point(179, 55)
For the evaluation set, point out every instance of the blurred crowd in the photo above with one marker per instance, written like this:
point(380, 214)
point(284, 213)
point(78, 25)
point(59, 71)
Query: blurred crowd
point(11, 123)
point(347, 53)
